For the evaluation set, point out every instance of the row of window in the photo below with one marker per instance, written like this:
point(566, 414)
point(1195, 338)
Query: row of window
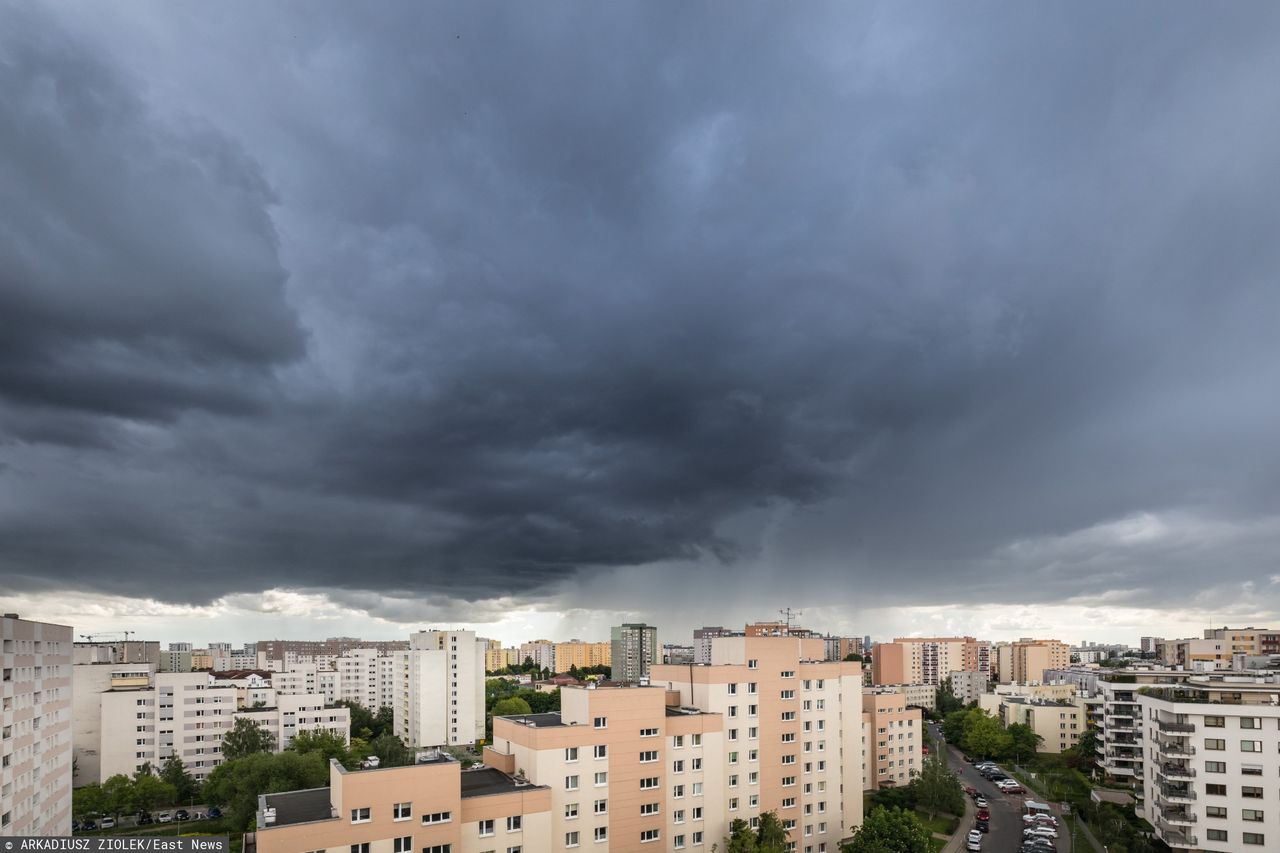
point(1221, 744)
point(1246, 837)
point(1252, 792)
point(1215, 722)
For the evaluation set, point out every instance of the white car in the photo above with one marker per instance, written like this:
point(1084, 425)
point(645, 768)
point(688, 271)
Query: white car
point(107, 823)
point(1031, 819)
point(164, 817)
point(1040, 832)
point(975, 836)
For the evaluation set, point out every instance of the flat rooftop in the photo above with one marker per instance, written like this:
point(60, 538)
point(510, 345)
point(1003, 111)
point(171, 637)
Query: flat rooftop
point(482, 783)
point(305, 806)
point(539, 721)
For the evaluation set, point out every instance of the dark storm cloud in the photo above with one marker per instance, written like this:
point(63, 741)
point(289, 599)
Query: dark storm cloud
point(604, 287)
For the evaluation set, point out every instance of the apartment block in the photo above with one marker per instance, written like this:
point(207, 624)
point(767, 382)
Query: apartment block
point(928, 660)
point(1060, 723)
point(297, 713)
point(839, 648)
point(35, 727)
point(1211, 775)
point(89, 682)
point(674, 653)
point(923, 696)
point(1025, 660)
point(1247, 641)
point(625, 765)
point(794, 726)
point(175, 661)
point(541, 652)
point(635, 650)
point(497, 658)
point(969, 686)
point(308, 650)
point(439, 689)
point(776, 629)
point(894, 734)
point(432, 806)
point(122, 651)
point(580, 654)
point(702, 638)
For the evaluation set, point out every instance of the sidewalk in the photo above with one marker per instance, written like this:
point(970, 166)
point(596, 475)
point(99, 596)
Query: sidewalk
point(956, 844)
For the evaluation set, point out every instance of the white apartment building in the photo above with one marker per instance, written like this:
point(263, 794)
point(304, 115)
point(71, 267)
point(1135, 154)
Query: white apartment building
point(365, 676)
point(969, 686)
point(1211, 775)
point(299, 713)
point(35, 727)
point(89, 682)
point(439, 689)
point(916, 695)
point(541, 652)
point(177, 713)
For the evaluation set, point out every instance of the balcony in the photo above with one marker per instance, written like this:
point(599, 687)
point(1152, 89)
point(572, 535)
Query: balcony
point(1175, 794)
point(1173, 748)
point(1180, 839)
point(1176, 729)
point(1177, 816)
point(1177, 771)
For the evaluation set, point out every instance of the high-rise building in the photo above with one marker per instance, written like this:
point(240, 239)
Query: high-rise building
point(928, 660)
point(702, 638)
point(1148, 644)
point(1030, 658)
point(580, 654)
point(541, 652)
point(635, 649)
point(439, 693)
point(35, 775)
point(175, 661)
point(281, 650)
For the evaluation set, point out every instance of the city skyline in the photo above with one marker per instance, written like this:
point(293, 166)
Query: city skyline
point(365, 320)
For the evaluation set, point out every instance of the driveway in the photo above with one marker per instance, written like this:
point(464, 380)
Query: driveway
point(1006, 809)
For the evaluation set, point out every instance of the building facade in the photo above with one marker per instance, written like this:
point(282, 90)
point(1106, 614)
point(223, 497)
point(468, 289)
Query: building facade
point(580, 654)
point(969, 686)
point(36, 724)
point(635, 650)
point(439, 689)
point(928, 660)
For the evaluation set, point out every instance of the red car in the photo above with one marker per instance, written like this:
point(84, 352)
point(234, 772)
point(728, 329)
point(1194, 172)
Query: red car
point(984, 814)
point(970, 790)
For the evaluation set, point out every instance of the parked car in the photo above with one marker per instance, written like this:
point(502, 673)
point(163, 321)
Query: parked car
point(1042, 831)
point(89, 825)
point(108, 822)
point(970, 790)
point(1044, 845)
point(145, 818)
point(982, 825)
point(164, 817)
point(214, 812)
point(1034, 819)
point(75, 825)
point(980, 801)
point(181, 814)
point(984, 814)
point(974, 840)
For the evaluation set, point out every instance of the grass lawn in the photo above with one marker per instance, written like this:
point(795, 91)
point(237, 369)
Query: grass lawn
point(943, 824)
point(938, 843)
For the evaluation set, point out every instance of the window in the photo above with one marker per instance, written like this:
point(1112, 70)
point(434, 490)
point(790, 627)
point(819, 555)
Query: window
point(788, 673)
point(601, 807)
point(1215, 767)
point(677, 842)
point(677, 741)
point(515, 823)
point(788, 781)
point(648, 733)
point(601, 722)
point(1215, 722)
point(733, 804)
point(677, 792)
point(360, 815)
point(677, 816)
point(570, 811)
point(733, 734)
point(402, 811)
point(571, 783)
point(1216, 790)
point(1251, 746)
point(600, 750)
point(1251, 814)
point(648, 808)
point(648, 835)
point(1215, 811)
point(1251, 769)
point(602, 833)
point(1253, 792)
point(788, 716)
point(695, 740)
point(733, 758)
point(403, 844)
point(571, 839)
point(788, 802)
point(695, 764)
point(1253, 838)
point(360, 848)
point(648, 782)
point(733, 690)
point(602, 779)
point(570, 753)
point(486, 828)
point(788, 694)
point(1216, 834)
point(753, 664)
point(1215, 743)
point(788, 737)
point(1250, 722)
point(437, 817)
point(697, 789)
point(648, 755)
point(515, 849)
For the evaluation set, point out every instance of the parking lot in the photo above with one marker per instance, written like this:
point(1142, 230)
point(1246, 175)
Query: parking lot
point(1006, 809)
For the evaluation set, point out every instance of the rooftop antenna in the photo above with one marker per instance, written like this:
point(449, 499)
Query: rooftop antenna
point(787, 613)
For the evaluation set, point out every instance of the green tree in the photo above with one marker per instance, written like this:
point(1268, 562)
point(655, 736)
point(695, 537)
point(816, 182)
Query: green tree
point(890, 831)
point(245, 738)
point(984, 736)
point(770, 835)
point(1024, 742)
point(326, 743)
point(937, 788)
point(185, 786)
point(853, 656)
point(512, 706)
point(236, 785)
point(88, 801)
point(149, 791)
point(117, 795)
point(953, 726)
point(542, 702)
point(741, 838)
point(947, 701)
point(390, 750)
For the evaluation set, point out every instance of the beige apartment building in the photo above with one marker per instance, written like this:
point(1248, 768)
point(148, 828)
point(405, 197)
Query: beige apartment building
point(894, 737)
point(794, 731)
point(439, 689)
point(35, 727)
point(580, 654)
point(1059, 722)
point(928, 660)
point(1030, 658)
point(923, 696)
point(1248, 641)
point(1193, 654)
point(433, 806)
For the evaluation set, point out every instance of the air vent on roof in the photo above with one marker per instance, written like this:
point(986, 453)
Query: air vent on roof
point(268, 816)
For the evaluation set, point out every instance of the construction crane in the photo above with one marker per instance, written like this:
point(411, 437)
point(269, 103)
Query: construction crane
point(111, 635)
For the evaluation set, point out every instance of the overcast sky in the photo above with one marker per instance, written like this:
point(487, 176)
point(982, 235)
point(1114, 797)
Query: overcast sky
point(333, 318)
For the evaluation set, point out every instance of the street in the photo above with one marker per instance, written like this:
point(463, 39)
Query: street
point(1006, 809)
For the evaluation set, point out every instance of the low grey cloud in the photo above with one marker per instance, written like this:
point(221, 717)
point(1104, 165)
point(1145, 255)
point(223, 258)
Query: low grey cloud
point(885, 305)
